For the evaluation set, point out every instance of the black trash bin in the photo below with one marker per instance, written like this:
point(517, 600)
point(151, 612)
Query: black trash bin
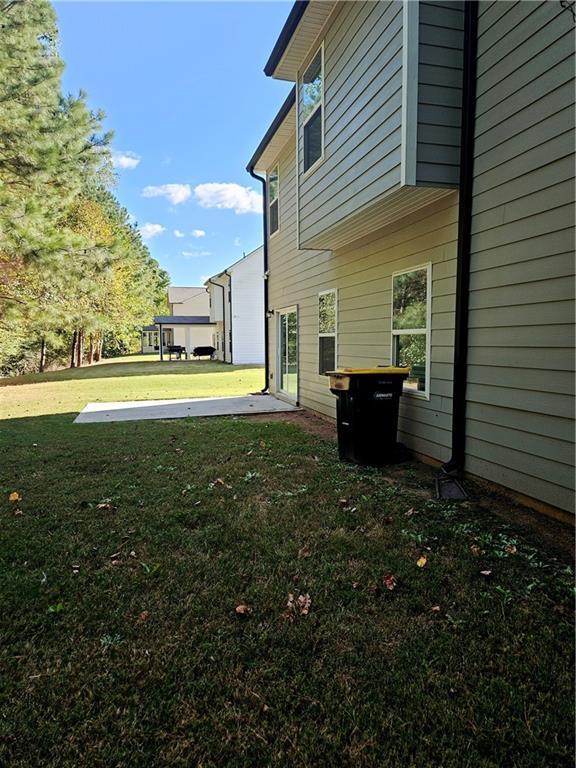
point(367, 413)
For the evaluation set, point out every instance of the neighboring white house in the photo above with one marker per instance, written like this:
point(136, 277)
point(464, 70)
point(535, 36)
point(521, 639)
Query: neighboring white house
point(237, 309)
point(188, 325)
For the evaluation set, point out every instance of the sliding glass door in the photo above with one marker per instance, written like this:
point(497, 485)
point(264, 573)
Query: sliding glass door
point(288, 353)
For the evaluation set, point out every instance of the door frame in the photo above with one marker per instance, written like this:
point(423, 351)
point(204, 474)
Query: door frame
point(282, 394)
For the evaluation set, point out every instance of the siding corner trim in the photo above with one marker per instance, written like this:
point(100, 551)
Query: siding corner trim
point(410, 17)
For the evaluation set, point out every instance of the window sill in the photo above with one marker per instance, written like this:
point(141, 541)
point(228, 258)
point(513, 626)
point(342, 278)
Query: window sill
point(310, 171)
point(415, 394)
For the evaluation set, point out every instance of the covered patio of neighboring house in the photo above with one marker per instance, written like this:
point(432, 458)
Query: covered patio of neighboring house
point(186, 331)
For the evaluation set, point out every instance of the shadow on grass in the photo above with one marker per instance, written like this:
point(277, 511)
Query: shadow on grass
point(126, 368)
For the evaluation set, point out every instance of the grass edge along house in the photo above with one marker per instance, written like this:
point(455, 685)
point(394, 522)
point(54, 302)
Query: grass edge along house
point(419, 208)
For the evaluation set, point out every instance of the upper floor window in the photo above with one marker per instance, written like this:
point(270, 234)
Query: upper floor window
point(312, 104)
point(411, 326)
point(273, 218)
point(327, 331)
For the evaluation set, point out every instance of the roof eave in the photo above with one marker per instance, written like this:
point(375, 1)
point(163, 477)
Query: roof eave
point(285, 36)
point(283, 113)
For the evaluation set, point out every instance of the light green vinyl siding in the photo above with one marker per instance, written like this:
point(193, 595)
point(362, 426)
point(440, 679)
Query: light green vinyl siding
point(520, 412)
point(362, 275)
point(362, 115)
point(363, 99)
point(440, 46)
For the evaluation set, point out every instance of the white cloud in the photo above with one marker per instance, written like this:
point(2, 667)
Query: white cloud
point(176, 193)
point(195, 254)
point(229, 196)
point(125, 160)
point(178, 233)
point(151, 230)
point(198, 233)
point(237, 242)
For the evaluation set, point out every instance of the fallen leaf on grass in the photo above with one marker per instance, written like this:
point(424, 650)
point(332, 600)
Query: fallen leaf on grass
point(343, 502)
point(143, 617)
point(388, 520)
point(104, 504)
point(435, 609)
point(475, 549)
point(304, 552)
point(409, 513)
point(390, 581)
point(244, 610)
point(297, 607)
point(219, 481)
point(304, 603)
point(421, 562)
point(511, 549)
point(14, 496)
point(486, 573)
point(18, 512)
point(355, 584)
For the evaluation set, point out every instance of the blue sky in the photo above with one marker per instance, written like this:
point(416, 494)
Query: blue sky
point(183, 89)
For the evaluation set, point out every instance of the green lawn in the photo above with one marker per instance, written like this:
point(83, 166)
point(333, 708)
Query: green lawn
point(139, 377)
point(123, 563)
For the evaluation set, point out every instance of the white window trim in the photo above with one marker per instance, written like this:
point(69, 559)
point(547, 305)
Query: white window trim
point(276, 168)
point(329, 335)
point(428, 331)
point(300, 128)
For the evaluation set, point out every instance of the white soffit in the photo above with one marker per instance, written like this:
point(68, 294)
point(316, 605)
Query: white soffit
point(310, 26)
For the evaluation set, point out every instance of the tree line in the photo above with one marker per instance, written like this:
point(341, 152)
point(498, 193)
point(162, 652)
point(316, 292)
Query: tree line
point(76, 280)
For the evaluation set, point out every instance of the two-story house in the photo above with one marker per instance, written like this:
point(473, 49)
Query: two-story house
point(419, 210)
point(237, 309)
point(188, 325)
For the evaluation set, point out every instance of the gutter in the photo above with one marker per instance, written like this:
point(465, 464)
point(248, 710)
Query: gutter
point(223, 314)
point(455, 465)
point(262, 180)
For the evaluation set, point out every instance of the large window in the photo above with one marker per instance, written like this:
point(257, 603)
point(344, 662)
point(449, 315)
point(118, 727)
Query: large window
point(411, 326)
point(273, 217)
point(311, 109)
point(327, 323)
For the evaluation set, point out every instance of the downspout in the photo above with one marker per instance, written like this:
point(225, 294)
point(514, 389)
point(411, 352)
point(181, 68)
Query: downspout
point(456, 463)
point(262, 180)
point(223, 315)
point(231, 318)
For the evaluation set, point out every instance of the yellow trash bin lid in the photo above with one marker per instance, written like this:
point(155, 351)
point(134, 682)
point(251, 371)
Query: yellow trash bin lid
point(340, 378)
point(384, 369)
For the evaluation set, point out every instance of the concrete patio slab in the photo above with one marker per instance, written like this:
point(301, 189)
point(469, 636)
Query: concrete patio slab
point(140, 410)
